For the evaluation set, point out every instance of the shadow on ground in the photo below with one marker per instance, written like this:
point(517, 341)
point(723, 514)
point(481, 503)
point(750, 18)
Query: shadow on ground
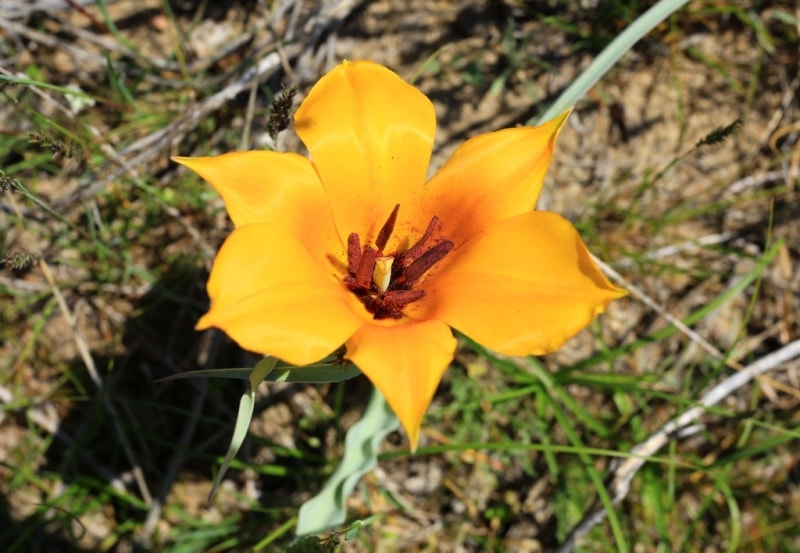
point(138, 438)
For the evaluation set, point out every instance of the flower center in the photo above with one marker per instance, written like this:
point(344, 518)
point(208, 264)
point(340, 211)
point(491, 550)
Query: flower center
point(385, 284)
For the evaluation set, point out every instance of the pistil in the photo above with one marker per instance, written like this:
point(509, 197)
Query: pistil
point(382, 273)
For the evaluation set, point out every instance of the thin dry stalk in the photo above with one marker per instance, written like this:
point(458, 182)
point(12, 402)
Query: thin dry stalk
point(91, 368)
point(677, 428)
point(683, 328)
point(328, 18)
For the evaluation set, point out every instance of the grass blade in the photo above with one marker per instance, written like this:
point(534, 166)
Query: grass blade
point(610, 55)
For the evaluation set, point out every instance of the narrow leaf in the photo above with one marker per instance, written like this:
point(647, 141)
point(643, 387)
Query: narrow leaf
point(240, 374)
point(610, 55)
point(243, 418)
point(314, 374)
point(310, 374)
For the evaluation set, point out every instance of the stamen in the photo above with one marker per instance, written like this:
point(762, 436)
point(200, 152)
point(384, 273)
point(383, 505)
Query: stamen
point(385, 284)
point(366, 266)
point(401, 298)
point(414, 251)
point(373, 304)
point(393, 303)
point(387, 229)
point(353, 253)
point(419, 267)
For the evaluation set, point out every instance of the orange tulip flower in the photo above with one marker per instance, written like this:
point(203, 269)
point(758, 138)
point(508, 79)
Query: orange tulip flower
point(353, 247)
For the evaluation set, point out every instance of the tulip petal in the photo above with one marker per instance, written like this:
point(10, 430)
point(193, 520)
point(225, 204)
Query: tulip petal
point(271, 296)
point(489, 178)
point(405, 362)
point(523, 286)
point(282, 189)
point(370, 136)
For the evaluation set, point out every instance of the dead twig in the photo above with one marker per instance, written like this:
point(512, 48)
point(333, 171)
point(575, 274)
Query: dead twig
point(639, 294)
point(668, 251)
point(679, 427)
point(159, 143)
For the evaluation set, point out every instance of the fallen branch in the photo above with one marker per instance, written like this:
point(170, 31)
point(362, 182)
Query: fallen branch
point(677, 428)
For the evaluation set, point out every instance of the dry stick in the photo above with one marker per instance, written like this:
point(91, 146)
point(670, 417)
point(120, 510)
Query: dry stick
point(126, 167)
point(251, 104)
point(83, 287)
point(249, 114)
point(667, 251)
point(51, 41)
point(294, 18)
point(649, 302)
point(752, 182)
point(88, 360)
point(681, 326)
point(624, 473)
point(151, 146)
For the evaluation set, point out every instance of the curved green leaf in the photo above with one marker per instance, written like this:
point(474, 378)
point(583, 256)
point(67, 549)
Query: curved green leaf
point(328, 509)
point(239, 374)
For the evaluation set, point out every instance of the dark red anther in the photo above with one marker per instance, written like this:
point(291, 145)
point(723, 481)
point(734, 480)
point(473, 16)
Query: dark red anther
point(353, 253)
point(416, 250)
point(372, 303)
point(392, 304)
point(408, 267)
point(366, 266)
point(420, 266)
point(401, 298)
point(387, 229)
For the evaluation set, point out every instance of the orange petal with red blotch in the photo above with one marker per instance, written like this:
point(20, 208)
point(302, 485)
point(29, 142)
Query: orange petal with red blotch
point(271, 296)
point(523, 286)
point(489, 178)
